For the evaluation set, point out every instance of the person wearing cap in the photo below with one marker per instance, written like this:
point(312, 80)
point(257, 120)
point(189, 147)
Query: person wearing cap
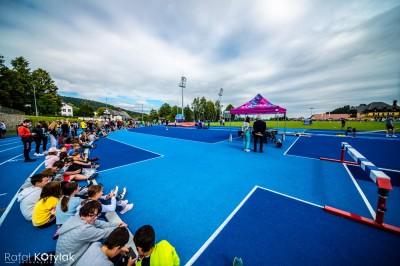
point(27, 138)
point(259, 128)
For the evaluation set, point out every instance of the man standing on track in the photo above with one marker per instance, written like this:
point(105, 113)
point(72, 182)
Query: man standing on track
point(259, 128)
point(27, 138)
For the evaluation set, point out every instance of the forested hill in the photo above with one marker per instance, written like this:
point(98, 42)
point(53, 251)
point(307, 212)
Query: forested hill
point(77, 102)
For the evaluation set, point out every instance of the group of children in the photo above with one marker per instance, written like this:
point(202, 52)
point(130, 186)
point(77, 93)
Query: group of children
point(54, 197)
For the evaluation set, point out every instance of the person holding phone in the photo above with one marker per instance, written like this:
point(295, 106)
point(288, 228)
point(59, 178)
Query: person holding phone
point(113, 249)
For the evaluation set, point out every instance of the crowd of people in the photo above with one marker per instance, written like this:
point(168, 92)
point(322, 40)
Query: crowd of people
point(54, 198)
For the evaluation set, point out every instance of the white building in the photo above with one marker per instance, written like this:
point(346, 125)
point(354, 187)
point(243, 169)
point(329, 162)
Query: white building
point(66, 110)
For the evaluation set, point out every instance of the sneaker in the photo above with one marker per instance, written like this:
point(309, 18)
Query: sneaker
point(237, 261)
point(127, 208)
point(123, 203)
point(36, 154)
point(115, 191)
point(394, 136)
point(93, 176)
point(247, 150)
point(122, 194)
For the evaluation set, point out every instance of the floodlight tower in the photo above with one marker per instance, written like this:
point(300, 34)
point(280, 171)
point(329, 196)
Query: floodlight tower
point(182, 85)
point(221, 91)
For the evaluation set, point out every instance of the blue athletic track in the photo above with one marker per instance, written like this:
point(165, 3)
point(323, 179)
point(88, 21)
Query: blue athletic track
point(212, 201)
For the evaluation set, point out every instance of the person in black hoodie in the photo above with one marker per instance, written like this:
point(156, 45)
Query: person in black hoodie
point(38, 138)
point(259, 128)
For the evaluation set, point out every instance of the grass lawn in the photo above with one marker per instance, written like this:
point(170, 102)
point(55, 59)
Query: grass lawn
point(328, 125)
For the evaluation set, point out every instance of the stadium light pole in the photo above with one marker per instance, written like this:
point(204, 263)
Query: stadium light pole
point(182, 85)
point(220, 94)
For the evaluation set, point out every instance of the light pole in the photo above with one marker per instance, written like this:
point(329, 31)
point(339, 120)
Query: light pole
point(34, 96)
point(182, 85)
point(220, 94)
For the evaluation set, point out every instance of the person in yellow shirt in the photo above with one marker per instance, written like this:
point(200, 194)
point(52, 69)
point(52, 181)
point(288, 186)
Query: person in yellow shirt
point(44, 213)
point(83, 126)
point(160, 254)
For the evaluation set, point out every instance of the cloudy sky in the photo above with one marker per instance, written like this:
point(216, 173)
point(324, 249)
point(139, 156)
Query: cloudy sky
point(299, 54)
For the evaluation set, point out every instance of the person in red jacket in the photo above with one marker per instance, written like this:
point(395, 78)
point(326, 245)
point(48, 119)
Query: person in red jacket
point(27, 138)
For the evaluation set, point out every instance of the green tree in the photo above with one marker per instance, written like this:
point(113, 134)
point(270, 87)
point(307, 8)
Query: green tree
point(153, 115)
point(196, 108)
point(85, 110)
point(188, 113)
point(48, 101)
point(165, 110)
point(228, 108)
point(210, 112)
point(23, 78)
point(100, 111)
point(174, 111)
point(12, 90)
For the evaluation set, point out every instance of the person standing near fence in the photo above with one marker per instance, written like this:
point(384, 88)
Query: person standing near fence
point(27, 138)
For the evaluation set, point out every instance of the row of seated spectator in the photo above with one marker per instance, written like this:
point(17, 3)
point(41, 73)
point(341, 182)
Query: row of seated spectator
point(54, 198)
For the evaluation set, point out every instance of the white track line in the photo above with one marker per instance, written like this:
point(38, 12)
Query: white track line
point(3, 217)
point(221, 227)
point(130, 164)
point(9, 143)
point(291, 145)
point(10, 159)
point(371, 210)
point(9, 149)
point(135, 147)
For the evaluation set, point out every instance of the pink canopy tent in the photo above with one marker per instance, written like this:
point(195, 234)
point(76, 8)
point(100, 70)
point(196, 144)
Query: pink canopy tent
point(258, 105)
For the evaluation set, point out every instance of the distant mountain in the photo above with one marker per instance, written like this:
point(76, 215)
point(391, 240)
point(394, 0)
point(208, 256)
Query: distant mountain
point(77, 102)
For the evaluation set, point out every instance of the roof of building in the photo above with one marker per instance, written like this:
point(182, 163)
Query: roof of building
point(122, 114)
point(374, 106)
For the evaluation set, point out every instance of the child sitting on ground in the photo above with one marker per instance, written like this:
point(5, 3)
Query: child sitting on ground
point(44, 212)
point(29, 196)
point(67, 205)
point(51, 157)
point(95, 192)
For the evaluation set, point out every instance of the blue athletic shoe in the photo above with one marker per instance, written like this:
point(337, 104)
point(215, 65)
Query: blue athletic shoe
point(237, 262)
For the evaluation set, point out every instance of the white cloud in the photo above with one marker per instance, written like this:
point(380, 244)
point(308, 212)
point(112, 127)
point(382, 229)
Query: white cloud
point(298, 54)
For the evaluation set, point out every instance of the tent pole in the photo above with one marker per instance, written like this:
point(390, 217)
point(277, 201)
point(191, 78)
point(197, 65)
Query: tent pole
point(285, 127)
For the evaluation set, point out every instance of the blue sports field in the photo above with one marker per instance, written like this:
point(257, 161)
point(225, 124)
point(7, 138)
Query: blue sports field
point(212, 201)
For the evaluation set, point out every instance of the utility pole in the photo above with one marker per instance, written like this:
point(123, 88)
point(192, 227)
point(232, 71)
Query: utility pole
point(182, 85)
point(34, 96)
point(220, 94)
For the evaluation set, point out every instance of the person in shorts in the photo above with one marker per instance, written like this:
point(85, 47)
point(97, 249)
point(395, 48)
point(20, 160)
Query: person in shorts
point(390, 127)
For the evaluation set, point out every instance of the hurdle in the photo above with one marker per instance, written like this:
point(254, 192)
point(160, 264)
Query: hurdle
point(384, 186)
point(353, 152)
